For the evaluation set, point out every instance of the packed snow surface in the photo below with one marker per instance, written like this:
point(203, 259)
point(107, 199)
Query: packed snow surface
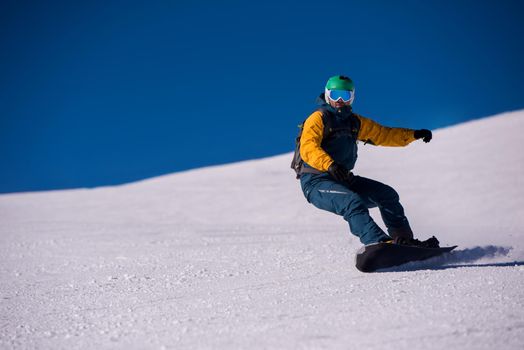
point(233, 257)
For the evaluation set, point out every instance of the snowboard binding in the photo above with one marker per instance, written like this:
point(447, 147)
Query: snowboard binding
point(428, 243)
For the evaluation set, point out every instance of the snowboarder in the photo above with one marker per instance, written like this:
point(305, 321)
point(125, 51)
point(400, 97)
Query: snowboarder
point(328, 151)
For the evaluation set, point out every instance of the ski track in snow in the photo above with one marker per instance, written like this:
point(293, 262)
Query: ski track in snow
point(232, 257)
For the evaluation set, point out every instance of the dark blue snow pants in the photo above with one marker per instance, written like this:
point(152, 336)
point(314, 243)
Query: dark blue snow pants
point(327, 194)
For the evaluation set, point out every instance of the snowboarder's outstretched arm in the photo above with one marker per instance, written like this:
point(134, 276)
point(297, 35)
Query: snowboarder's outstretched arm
point(376, 134)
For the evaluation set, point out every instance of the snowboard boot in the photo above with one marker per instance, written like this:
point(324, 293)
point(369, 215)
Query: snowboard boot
point(401, 233)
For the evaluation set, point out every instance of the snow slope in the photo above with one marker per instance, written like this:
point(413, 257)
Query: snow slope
point(232, 257)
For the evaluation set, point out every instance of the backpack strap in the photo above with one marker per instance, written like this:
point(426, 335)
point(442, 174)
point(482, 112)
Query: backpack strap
point(327, 120)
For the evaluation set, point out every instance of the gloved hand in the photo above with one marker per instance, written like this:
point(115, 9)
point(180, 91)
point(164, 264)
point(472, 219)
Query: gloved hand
point(340, 173)
point(423, 134)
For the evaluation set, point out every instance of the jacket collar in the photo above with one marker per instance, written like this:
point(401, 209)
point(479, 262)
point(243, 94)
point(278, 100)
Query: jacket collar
point(339, 112)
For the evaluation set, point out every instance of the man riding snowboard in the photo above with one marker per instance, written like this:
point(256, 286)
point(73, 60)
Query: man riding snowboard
point(328, 150)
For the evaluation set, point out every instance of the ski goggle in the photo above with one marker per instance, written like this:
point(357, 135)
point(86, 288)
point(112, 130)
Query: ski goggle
point(345, 95)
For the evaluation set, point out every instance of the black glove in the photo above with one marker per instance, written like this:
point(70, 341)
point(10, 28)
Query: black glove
point(340, 173)
point(423, 134)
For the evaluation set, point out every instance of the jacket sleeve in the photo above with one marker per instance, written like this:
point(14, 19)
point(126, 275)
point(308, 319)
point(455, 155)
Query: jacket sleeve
point(310, 142)
point(376, 134)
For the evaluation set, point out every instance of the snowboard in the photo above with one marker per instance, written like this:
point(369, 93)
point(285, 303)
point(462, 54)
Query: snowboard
point(377, 256)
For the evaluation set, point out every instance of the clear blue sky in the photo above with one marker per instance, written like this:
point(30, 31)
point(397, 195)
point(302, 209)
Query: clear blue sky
point(101, 92)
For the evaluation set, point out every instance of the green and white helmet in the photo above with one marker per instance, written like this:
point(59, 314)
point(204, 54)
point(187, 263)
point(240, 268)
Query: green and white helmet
point(342, 88)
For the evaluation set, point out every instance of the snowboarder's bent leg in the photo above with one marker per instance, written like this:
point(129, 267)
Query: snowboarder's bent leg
point(388, 202)
point(334, 197)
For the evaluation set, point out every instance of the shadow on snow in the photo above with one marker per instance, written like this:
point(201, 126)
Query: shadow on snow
point(459, 258)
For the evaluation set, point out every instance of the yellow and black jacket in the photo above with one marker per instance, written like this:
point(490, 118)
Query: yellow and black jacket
point(331, 135)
